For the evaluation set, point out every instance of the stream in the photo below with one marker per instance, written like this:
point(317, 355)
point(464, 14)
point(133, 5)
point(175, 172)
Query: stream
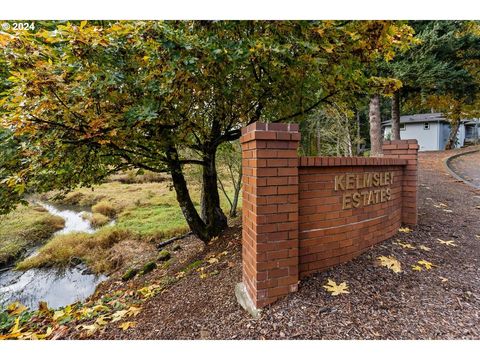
point(58, 287)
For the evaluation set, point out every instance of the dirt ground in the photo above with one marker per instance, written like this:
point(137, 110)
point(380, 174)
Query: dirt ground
point(440, 303)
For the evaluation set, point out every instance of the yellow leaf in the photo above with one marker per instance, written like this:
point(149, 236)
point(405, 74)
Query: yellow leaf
point(101, 321)
point(133, 311)
point(16, 308)
point(90, 329)
point(212, 260)
point(428, 265)
point(417, 268)
point(203, 276)
point(127, 325)
point(58, 314)
point(99, 308)
point(83, 23)
point(118, 315)
point(391, 263)
point(423, 247)
point(405, 245)
point(336, 289)
point(405, 230)
point(447, 242)
point(16, 326)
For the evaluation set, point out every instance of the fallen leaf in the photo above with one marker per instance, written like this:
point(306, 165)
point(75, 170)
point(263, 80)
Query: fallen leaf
point(118, 315)
point(127, 325)
point(16, 308)
point(448, 210)
point(335, 289)
point(203, 276)
point(391, 263)
point(212, 260)
point(447, 242)
point(101, 321)
point(405, 245)
point(405, 230)
point(443, 279)
point(133, 311)
point(428, 265)
point(423, 247)
point(417, 268)
point(89, 329)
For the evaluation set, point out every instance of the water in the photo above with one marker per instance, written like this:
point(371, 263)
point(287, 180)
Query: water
point(58, 287)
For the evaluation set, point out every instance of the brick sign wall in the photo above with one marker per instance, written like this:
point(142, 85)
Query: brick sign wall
point(302, 215)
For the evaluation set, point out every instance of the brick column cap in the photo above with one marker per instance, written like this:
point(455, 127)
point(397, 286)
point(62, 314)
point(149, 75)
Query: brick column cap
point(395, 142)
point(259, 126)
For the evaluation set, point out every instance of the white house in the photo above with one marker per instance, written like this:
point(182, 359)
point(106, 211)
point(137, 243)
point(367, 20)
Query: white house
point(432, 130)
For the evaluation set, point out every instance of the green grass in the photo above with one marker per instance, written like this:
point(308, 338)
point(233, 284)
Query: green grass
point(162, 220)
point(23, 228)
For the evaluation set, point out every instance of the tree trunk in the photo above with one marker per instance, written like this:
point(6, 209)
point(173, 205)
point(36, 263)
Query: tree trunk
point(238, 187)
point(375, 126)
point(452, 138)
point(396, 116)
point(319, 139)
point(183, 197)
point(215, 219)
point(359, 123)
point(455, 120)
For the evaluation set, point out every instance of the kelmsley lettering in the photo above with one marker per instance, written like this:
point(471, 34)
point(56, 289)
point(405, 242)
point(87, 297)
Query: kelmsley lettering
point(363, 181)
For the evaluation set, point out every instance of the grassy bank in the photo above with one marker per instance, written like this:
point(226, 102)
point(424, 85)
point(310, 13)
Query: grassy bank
point(23, 228)
point(145, 213)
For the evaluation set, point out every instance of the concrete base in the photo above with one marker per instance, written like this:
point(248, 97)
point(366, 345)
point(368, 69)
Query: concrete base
point(245, 302)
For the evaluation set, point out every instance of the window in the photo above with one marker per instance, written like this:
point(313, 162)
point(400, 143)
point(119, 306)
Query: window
point(403, 126)
point(426, 126)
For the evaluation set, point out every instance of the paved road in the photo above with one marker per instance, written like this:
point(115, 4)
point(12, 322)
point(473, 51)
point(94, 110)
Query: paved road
point(468, 167)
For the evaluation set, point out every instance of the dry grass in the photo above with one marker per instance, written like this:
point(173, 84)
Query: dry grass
point(100, 251)
point(99, 220)
point(105, 208)
point(96, 219)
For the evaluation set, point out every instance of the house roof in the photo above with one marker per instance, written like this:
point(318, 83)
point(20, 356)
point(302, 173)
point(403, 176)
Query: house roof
point(420, 118)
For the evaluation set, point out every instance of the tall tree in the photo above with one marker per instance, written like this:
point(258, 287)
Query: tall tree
point(375, 126)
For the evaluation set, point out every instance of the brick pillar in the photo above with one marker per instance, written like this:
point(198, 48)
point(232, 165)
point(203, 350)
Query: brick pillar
point(270, 211)
point(408, 150)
